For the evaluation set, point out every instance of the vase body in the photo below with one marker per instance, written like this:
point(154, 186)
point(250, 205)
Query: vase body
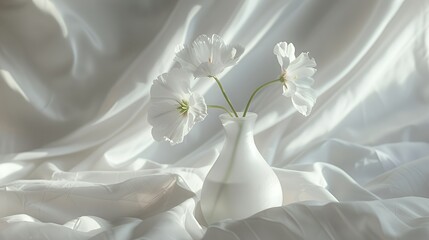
point(240, 183)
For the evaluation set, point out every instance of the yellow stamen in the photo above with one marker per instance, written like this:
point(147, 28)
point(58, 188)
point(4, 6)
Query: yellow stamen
point(283, 77)
point(183, 107)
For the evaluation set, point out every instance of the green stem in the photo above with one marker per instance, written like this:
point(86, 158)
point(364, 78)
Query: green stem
point(224, 95)
point(220, 107)
point(256, 91)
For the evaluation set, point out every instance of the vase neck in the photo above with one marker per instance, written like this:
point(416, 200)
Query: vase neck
point(241, 127)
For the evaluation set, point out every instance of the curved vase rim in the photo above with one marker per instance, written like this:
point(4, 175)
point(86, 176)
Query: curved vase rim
point(249, 115)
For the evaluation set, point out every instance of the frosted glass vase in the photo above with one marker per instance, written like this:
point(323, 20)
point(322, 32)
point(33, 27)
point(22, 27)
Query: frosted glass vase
point(240, 183)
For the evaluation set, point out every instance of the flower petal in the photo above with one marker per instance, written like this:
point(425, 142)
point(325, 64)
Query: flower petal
point(173, 133)
point(208, 69)
point(216, 49)
point(307, 93)
point(173, 107)
point(285, 53)
point(208, 56)
point(197, 107)
point(167, 126)
point(202, 49)
point(279, 49)
point(231, 54)
point(302, 61)
point(304, 82)
point(303, 72)
point(289, 89)
point(304, 100)
point(185, 56)
point(172, 85)
point(160, 109)
point(280, 53)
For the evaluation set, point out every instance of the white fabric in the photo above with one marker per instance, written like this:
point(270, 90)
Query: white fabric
point(78, 161)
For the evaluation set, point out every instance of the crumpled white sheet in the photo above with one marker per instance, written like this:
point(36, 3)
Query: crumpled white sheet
point(78, 161)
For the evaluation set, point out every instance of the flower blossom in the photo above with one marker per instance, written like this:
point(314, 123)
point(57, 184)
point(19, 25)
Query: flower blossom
point(296, 76)
point(207, 57)
point(174, 108)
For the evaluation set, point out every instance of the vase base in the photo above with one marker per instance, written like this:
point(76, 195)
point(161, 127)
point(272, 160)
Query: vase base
point(237, 200)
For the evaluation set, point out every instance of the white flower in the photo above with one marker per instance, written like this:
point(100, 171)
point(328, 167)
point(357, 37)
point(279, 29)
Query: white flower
point(173, 107)
point(208, 56)
point(297, 77)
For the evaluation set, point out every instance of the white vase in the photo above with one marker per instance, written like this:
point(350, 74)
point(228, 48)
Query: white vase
point(240, 183)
